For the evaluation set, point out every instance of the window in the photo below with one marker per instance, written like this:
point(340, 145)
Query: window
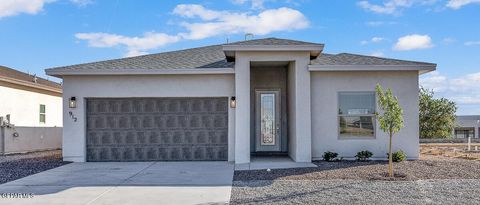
point(464, 132)
point(42, 113)
point(356, 111)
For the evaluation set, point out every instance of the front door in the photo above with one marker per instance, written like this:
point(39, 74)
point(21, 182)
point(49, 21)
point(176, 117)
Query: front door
point(267, 121)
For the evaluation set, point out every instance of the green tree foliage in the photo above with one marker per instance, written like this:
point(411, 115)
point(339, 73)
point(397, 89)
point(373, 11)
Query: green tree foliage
point(390, 118)
point(437, 116)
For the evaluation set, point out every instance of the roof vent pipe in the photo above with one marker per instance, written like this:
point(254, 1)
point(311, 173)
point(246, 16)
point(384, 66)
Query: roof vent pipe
point(249, 35)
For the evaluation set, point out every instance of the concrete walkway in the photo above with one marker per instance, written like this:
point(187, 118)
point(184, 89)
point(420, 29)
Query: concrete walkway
point(126, 183)
point(259, 163)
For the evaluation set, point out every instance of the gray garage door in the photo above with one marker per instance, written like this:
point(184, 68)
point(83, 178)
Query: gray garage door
point(157, 129)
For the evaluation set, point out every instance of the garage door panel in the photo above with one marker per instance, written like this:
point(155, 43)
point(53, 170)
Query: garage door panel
point(147, 129)
point(155, 153)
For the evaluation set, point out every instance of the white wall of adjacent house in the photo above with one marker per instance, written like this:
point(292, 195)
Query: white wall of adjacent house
point(23, 106)
point(325, 112)
point(82, 87)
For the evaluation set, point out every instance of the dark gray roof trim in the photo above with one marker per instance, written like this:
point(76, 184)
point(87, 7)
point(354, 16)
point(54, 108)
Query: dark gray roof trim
point(272, 42)
point(354, 62)
point(355, 59)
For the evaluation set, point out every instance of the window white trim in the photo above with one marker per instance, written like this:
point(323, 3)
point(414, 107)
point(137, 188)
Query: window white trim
point(374, 119)
point(44, 113)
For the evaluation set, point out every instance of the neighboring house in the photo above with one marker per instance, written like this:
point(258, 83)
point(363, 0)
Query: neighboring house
point(234, 101)
point(467, 126)
point(31, 112)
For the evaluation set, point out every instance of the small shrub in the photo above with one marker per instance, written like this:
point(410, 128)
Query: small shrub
point(398, 156)
point(363, 155)
point(330, 156)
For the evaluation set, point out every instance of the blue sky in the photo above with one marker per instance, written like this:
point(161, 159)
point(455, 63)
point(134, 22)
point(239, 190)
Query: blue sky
point(38, 34)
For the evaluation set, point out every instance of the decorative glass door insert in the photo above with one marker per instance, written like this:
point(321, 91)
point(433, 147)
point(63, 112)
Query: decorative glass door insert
point(268, 119)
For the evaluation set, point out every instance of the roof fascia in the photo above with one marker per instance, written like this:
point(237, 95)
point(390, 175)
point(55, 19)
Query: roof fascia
point(30, 84)
point(318, 47)
point(421, 68)
point(200, 71)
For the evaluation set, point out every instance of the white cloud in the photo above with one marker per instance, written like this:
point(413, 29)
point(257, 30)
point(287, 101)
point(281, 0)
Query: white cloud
point(448, 40)
point(82, 3)
point(372, 40)
point(377, 39)
point(472, 43)
point(239, 1)
point(15, 7)
point(388, 7)
point(205, 23)
point(256, 4)
point(216, 23)
point(434, 81)
point(463, 90)
point(380, 23)
point(134, 45)
point(378, 54)
point(457, 4)
point(195, 10)
point(132, 53)
point(392, 6)
point(413, 42)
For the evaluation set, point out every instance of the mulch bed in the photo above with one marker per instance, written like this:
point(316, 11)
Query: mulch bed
point(17, 166)
point(423, 169)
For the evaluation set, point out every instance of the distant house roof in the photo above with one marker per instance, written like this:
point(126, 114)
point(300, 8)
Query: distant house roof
point(468, 117)
point(17, 77)
point(213, 59)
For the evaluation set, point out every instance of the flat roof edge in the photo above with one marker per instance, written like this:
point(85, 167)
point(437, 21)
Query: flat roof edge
point(318, 47)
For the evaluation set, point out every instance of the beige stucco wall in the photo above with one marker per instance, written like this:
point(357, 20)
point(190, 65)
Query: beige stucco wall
point(325, 87)
point(23, 105)
point(74, 147)
point(32, 139)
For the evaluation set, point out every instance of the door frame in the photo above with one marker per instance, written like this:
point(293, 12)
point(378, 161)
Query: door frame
point(277, 147)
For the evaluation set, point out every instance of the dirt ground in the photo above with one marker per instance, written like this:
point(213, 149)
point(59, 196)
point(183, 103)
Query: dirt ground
point(451, 150)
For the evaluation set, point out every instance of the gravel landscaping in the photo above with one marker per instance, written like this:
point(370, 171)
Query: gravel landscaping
point(426, 168)
point(17, 166)
point(430, 180)
point(356, 192)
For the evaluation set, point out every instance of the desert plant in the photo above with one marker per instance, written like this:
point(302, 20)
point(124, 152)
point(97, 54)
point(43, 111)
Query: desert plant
point(390, 120)
point(363, 155)
point(330, 156)
point(398, 156)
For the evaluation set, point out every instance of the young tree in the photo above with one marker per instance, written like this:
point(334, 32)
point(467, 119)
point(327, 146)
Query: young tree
point(437, 116)
point(390, 118)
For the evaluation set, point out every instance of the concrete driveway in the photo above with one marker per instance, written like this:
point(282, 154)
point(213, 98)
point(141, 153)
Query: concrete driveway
point(126, 183)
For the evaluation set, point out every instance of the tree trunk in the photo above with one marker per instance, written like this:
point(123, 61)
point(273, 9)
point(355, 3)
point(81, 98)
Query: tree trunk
point(390, 157)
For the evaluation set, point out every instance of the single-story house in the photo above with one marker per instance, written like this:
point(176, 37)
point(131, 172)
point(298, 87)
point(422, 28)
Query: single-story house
point(30, 112)
point(232, 101)
point(467, 126)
